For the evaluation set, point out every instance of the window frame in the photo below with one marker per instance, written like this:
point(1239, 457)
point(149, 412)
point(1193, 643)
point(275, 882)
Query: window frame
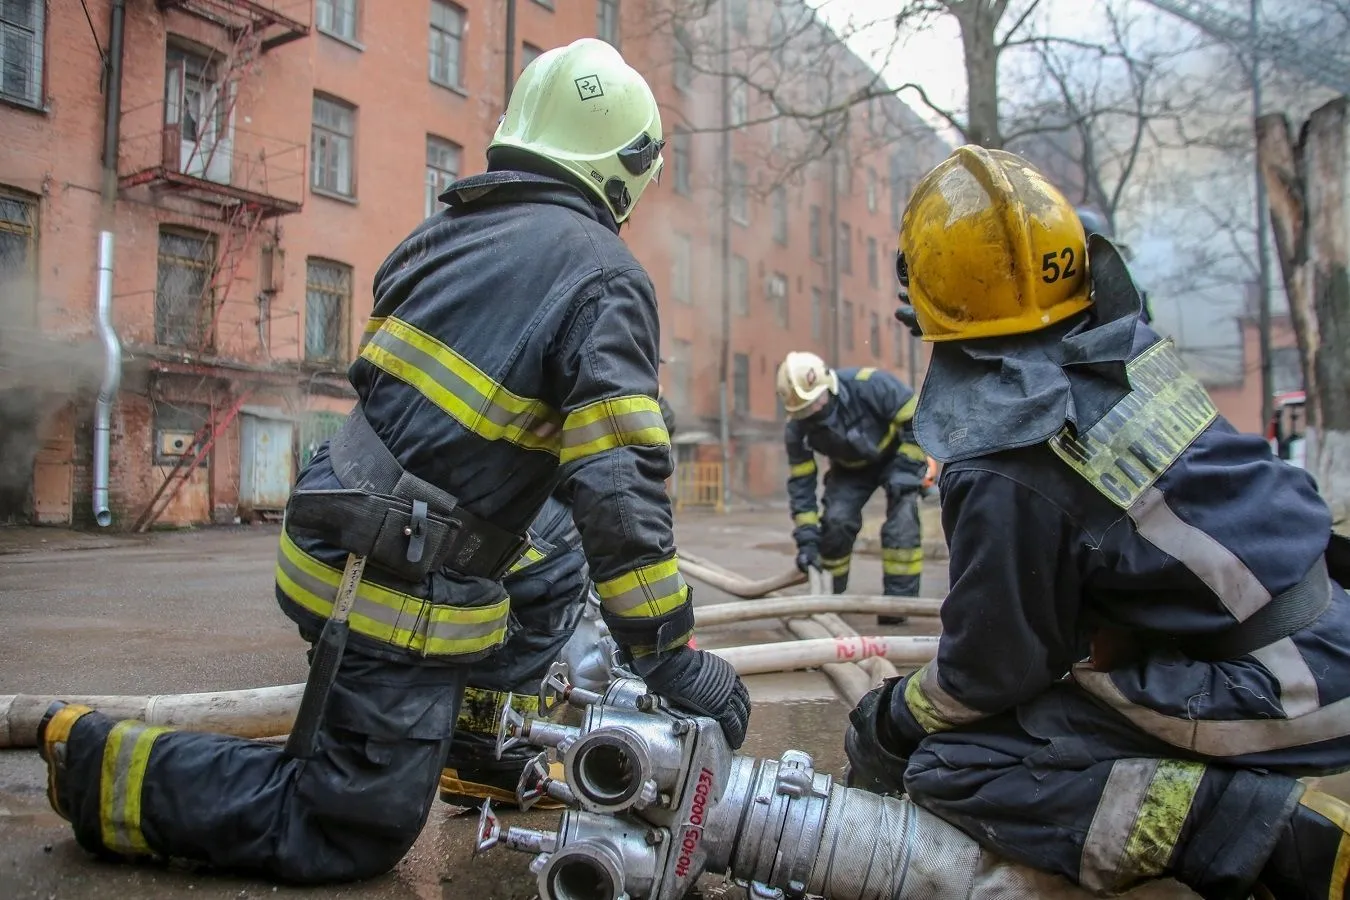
point(331, 32)
point(435, 32)
point(607, 18)
point(845, 245)
point(874, 333)
point(36, 68)
point(28, 231)
point(205, 301)
point(315, 128)
point(681, 157)
point(873, 263)
point(526, 56)
point(779, 207)
point(342, 339)
point(740, 386)
point(816, 228)
point(430, 205)
point(682, 269)
point(740, 285)
point(846, 321)
point(738, 198)
point(199, 414)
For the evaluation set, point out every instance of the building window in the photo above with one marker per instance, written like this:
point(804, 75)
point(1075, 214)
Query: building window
point(546, 4)
point(1284, 364)
point(447, 33)
point(683, 70)
point(817, 314)
point(873, 272)
point(183, 302)
point(898, 335)
point(874, 335)
point(740, 203)
point(739, 106)
point(777, 290)
point(681, 268)
point(528, 54)
point(845, 248)
point(328, 294)
point(679, 374)
point(776, 133)
point(740, 285)
point(22, 33)
point(336, 17)
point(18, 256)
point(740, 381)
point(897, 190)
point(740, 15)
point(871, 188)
point(607, 21)
point(331, 140)
point(196, 106)
point(780, 215)
point(680, 157)
point(846, 324)
point(817, 244)
point(442, 170)
point(176, 426)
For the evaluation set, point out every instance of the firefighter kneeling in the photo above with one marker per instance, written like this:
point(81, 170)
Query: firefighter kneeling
point(1142, 649)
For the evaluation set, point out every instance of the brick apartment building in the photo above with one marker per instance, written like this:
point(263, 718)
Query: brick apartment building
point(271, 152)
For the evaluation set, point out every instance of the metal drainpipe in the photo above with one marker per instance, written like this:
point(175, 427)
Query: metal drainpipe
point(510, 51)
point(724, 364)
point(112, 366)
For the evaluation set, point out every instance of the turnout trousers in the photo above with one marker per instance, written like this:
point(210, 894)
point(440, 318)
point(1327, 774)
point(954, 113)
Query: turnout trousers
point(350, 812)
point(846, 493)
point(1066, 785)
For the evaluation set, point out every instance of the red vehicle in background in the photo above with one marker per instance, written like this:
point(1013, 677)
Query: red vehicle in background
point(1285, 430)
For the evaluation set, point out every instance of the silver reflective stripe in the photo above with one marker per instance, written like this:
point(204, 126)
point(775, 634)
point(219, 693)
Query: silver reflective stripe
point(1118, 809)
point(1298, 688)
point(117, 824)
point(1221, 739)
point(1241, 593)
point(661, 589)
point(943, 703)
point(618, 429)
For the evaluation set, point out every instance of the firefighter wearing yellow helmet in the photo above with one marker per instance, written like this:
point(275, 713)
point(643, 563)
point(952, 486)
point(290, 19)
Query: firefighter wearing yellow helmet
point(859, 420)
point(1146, 640)
point(512, 347)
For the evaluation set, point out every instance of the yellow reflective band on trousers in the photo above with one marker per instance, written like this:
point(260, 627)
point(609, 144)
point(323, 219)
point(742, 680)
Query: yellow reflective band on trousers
point(649, 591)
point(617, 422)
point(460, 389)
point(400, 620)
point(803, 519)
point(1139, 818)
point(528, 558)
point(907, 561)
point(836, 565)
point(802, 468)
point(480, 709)
point(125, 755)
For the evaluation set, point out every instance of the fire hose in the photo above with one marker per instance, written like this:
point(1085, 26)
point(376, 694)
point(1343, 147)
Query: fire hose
point(655, 799)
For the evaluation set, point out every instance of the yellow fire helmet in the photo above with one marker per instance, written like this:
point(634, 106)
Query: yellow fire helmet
point(992, 249)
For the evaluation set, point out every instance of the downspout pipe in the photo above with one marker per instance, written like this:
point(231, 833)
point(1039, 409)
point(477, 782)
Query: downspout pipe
point(112, 347)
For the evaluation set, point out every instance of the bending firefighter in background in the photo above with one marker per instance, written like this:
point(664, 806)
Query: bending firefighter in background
point(859, 419)
point(1141, 649)
point(512, 348)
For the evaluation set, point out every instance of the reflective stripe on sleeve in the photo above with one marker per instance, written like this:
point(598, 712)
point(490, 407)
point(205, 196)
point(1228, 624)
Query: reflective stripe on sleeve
point(1137, 823)
point(649, 591)
point(125, 756)
point(616, 422)
point(897, 425)
point(531, 556)
point(802, 468)
point(398, 619)
point(932, 706)
point(460, 389)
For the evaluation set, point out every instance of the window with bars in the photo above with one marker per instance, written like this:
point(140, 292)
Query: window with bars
point(897, 190)
point(874, 335)
point(740, 382)
point(328, 293)
point(336, 17)
point(18, 255)
point(845, 248)
point(528, 54)
point(873, 269)
point(740, 285)
point(445, 59)
point(22, 33)
point(739, 200)
point(607, 21)
point(683, 71)
point(871, 190)
point(846, 324)
point(680, 157)
point(680, 359)
point(780, 215)
point(817, 314)
point(817, 242)
point(681, 268)
point(777, 290)
point(331, 145)
point(442, 168)
point(899, 338)
point(740, 15)
point(183, 301)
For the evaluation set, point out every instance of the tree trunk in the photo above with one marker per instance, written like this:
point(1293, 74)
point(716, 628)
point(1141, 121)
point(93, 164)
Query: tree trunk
point(979, 21)
point(1308, 208)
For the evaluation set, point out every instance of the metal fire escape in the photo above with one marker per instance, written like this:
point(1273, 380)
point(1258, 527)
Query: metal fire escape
point(237, 188)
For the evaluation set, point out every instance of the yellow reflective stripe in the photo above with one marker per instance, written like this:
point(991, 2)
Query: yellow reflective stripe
point(922, 708)
point(802, 468)
point(1338, 813)
point(804, 519)
point(1166, 805)
point(864, 373)
point(669, 645)
point(898, 423)
point(395, 618)
point(854, 464)
point(896, 567)
point(531, 556)
point(648, 591)
point(912, 451)
point(607, 424)
point(460, 389)
point(837, 565)
point(125, 755)
point(373, 325)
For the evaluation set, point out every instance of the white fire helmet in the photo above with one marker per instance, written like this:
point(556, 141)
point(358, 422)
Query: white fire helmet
point(803, 380)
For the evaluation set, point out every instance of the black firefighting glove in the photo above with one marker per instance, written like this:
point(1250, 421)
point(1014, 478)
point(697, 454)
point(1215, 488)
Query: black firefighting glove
point(808, 557)
point(906, 316)
point(875, 762)
point(702, 683)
